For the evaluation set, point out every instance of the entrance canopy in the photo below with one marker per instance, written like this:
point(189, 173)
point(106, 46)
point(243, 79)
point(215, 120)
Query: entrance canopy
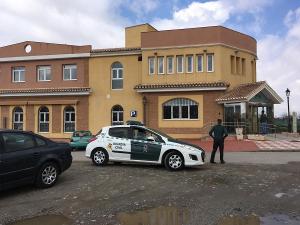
point(258, 93)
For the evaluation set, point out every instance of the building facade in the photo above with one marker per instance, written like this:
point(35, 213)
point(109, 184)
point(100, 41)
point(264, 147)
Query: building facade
point(178, 81)
point(44, 88)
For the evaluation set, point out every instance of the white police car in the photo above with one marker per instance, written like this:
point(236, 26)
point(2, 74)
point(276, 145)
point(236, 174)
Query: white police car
point(136, 143)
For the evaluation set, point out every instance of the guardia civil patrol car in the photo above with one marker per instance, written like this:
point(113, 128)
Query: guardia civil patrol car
point(137, 143)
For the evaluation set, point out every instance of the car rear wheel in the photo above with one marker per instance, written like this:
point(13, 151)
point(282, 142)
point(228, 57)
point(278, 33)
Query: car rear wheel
point(174, 161)
point(48, 175)
point(100, 157)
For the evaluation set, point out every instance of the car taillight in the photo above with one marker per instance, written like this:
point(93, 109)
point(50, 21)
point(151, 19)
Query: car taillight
point(92, 139)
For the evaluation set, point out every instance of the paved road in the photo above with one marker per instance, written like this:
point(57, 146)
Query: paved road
point(238, 157)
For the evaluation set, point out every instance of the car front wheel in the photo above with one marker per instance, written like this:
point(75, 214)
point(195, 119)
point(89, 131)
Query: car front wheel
point(174, 161)
point(48, 175)
point(100, 157)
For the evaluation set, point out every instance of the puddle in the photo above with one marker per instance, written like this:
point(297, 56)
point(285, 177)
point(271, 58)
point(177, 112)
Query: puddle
point(44, 220)
point(156, 216)
point(255, 220)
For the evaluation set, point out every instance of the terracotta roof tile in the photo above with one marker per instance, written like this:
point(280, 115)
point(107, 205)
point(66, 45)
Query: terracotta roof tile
point(241, 92)
point(45, 90)
point(113, 50)
point(186, 85)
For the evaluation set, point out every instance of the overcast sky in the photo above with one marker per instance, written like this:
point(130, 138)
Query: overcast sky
point(274, 23)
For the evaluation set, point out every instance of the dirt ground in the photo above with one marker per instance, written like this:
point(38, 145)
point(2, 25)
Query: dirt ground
point(148, 195)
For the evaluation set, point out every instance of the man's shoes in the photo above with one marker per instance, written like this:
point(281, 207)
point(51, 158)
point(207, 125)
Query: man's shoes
point(212, 162)
point(223, 162)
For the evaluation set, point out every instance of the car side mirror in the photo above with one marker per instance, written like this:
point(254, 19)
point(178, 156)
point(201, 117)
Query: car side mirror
point(150, 138)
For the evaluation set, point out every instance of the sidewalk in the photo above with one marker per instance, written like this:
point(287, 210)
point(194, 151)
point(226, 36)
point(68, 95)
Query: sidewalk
point(232, 145)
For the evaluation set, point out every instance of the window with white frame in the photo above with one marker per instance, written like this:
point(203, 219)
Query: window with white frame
point(116, 76)
point(199, 63)
point(18, 74)
point(179, 62)
point(189, 63)
point(18, 118)
point(151, 64)
point(210, 62)
point(160, 65)
point(170, 64)
point(180, 109)
point(117, 114)
point(44, 73)
point(43, 119)
point(69, 119)
point(70, 72)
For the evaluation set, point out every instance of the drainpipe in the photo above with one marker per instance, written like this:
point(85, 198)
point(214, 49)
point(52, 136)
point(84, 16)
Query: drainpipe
point(144, 109)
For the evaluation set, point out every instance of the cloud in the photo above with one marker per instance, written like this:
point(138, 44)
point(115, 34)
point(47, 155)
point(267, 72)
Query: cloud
point(142, 7)
point(279, 62)
point(212, 13)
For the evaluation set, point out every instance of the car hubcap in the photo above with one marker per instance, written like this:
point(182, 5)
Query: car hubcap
point(49, 175)
point(99, 157)
point(175, 161)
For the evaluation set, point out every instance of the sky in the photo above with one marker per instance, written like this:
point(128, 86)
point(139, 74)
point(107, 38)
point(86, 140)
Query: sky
point(275, 24)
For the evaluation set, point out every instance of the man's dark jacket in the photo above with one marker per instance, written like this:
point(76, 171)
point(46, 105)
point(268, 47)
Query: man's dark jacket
point(218, 133)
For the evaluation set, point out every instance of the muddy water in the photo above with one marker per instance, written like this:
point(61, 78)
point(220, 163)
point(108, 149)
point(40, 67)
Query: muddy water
point(156, 216)
point(44, 220)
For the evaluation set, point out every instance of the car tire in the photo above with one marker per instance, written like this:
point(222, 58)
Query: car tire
point(47, 175)
point(174, 161)
point(99, 157)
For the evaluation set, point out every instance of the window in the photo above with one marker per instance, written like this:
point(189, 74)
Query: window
point(143, 134)
point(18, 74)
point(44, 73)
point(180, 64)
point(160, 65)
point(44, 119)
point(232, 62)
point(70, 72)
point(170, 64)
point(40, 142)
point(189, 63)
point(117, 115)
point(199, 63)
point(18, 118)
point(69, 119)
point(17, 142)
point(180, 108)
point(210, 62)
point(238, 65)
point(119, 132)
point(243, 66)
point(151, 62)
point(117, 76)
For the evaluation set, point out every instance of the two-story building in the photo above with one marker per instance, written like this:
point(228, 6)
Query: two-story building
point(44, 88)
point(179, 81)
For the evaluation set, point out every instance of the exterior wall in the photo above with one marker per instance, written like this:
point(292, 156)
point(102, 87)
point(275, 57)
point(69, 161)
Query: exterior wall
point(103, 98)
point(133, 34)
point(31, 74)
point(56, 107)
point(209, 112)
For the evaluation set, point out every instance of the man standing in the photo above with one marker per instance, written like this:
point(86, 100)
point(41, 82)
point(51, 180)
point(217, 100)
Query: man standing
point(263, 122)
point(218, 133)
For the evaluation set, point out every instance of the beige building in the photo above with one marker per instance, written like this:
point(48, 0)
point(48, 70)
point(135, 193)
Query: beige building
point(176, 80)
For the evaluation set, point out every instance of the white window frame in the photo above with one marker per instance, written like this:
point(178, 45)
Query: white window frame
point(20, 70)
point(212, 62)
point(70, 121)
point(43, 69)
point(119, 77)
point(158, 64)
point(182, 63)
point(18, 114)
point(172, 103)
point(187, 63)
point(151, 59)
point(200, 55)
point(44, 121)
point(117, 112)
point(70, 67)
point(172, 68)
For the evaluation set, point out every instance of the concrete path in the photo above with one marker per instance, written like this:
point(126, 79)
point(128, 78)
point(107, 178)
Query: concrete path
point(237, 157)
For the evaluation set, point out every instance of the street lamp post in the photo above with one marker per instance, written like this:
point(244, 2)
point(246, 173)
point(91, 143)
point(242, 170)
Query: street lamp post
point(288, 92)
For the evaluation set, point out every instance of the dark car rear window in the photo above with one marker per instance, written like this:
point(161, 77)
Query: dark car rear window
point(120, 132)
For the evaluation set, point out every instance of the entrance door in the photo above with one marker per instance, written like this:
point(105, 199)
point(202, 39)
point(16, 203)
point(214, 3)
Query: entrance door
point(232, 117)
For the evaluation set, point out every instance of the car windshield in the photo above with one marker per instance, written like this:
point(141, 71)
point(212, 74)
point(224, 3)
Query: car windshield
point(161, 133)
point(82, 133)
